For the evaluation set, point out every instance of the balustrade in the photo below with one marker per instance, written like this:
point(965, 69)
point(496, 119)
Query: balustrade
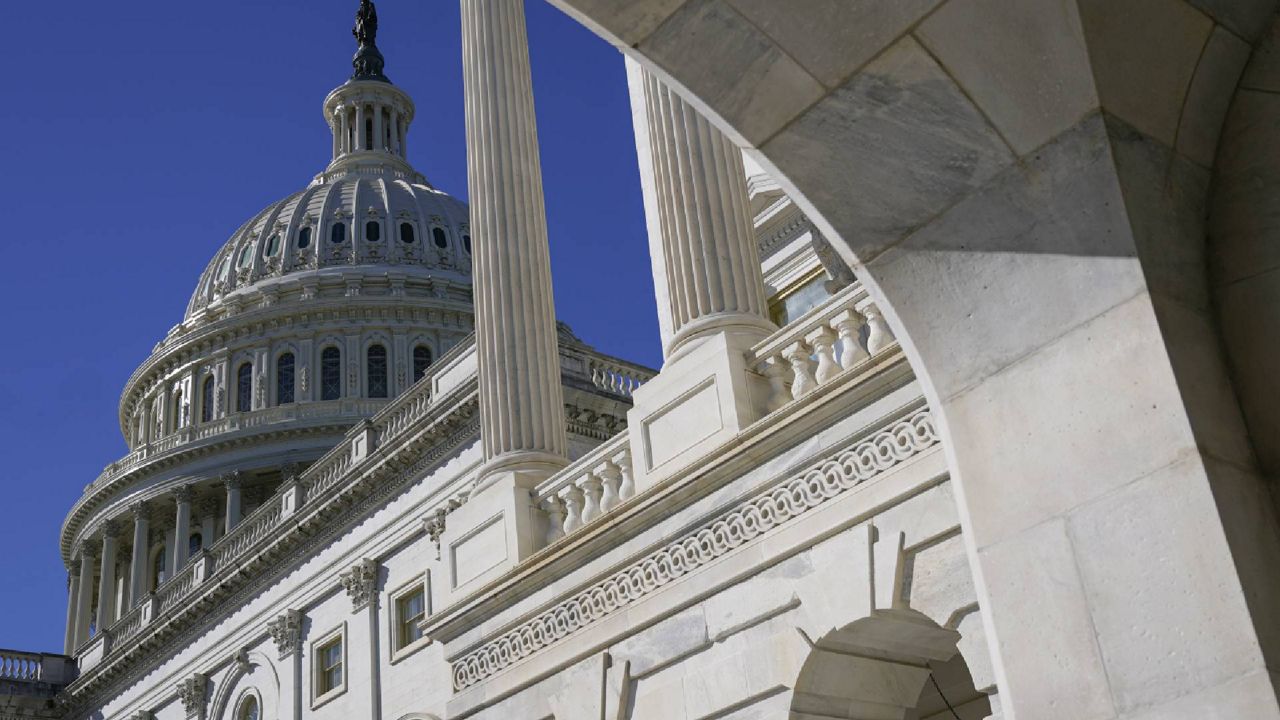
point(588, 489)
point(821, 344)
point(616, 377)
point(17, 665)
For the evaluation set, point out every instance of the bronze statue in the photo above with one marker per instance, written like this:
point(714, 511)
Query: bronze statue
point(366, 29)
point(368, 62)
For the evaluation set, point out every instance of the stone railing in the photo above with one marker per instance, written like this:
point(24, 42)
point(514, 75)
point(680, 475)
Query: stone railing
point(248, 532)
point(587, 489)
point(615, 376)
point(821, 344)
point(176, 589)
point(18, 668)
point(129, 625)
point(18, 665)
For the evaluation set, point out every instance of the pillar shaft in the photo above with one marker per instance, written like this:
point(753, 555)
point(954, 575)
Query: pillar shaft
point(107, 579)
point(138, 564)
point(361, 139)
point(181, 529)
point(521, 400)
point(232, 483)
point(701, 239)
point(84, 601)
point(73, 596)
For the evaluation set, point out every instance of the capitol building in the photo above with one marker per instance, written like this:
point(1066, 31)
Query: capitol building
point(967, 406)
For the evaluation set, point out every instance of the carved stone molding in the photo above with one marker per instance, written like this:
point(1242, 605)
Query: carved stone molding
point(361, 583)
point(183, 494)
point(233, 480)
point(286, 631)
point(193, 692)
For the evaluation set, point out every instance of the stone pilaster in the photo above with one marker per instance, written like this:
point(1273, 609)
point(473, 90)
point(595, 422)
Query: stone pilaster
point(521, 400)
point(706, 266)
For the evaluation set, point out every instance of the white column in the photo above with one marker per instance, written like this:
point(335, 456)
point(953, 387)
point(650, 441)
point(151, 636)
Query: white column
point(181, 528)
point(705, 262)
point(395, 131)
point(344, 115)
point(337, 133)
point(138, 564)
point(107, 577)
point(84, 601)
point(73, 596)
point(521, 400)
point(360, 135)
point(233, 484)
point(377, 128)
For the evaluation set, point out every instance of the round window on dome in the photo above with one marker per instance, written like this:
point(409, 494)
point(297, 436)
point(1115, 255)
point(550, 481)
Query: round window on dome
point(406, 234)
point(372, 231)
point(273, 246)
point(441, 240)
point(304, 237)
point(246, 256)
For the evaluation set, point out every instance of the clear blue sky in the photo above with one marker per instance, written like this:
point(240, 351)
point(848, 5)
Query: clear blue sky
point(139, 135)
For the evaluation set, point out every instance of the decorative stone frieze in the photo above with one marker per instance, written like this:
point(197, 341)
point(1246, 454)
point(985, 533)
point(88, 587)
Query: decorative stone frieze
point(361, 583)
point(193, 693)
point(286, 631)
point(780, 504)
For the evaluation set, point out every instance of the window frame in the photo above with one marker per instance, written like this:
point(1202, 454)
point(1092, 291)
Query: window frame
point(386, 370)
point(208, 391)
point(241, 395)
point(420, 582)
point(242, 703)
point(293, 377)
point(338, 349)
point(339, 635)
point(414, 375)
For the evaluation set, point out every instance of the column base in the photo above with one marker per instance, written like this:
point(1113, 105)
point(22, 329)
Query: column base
point(704, 396)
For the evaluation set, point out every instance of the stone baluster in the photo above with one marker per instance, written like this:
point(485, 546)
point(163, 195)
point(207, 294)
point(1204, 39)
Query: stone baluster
point(572, 498)
point(880, 335)
point(138, 565)
point(107, 576)
point(521, 399)
point(627, 483)
point(778, 370)
point(555, 509)
point(848, 326)
point(823, 340)
point(610, 478)
point(803, 381)
point(84, 601)
point(589, 484)
point(181, 528)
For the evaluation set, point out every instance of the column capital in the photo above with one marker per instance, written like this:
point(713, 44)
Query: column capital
point(286, 631)
point(183, 494)
point(139, 510)
point(233, 480)
point(110, 528)
point(361, 583)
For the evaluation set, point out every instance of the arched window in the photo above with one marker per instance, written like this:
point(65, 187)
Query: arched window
point(176, 421)
point(441, 240)
point(159, 568)
point(304, 237)
point(284, 379)
point(406, 233)
point(246, 256)
point(206, 400)
point(194, 544)
point(338, 234)
point(273, 245)
point(372, 231)
point(466, 242)
point(421, 361)
point(331, 374)
point(376, 369)
point(244, 388)
point(248, 709)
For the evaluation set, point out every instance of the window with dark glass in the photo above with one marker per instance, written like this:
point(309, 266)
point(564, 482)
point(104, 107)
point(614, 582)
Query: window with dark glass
point(176, 421)
point(421, 361)
point(329, 667)
point(244, 388)
point(246, 256)
point(159, 568)
point(441, 240)
point(304, 237)
point(273, 245)
point(406, 233)
point(194, 543)
point(206, 400)
point(466, 243)
point(284, 379)
point(376, 369)
point(368, 134)
point(373, 231)
point(338, 234)
point(249, 709)
point(411, 609)
point(331, 374)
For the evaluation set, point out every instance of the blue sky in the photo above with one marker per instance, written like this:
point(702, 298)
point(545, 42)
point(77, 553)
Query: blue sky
point(139, 135)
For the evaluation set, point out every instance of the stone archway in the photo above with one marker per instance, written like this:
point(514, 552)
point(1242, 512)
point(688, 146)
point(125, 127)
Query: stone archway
point(881, 668)
point(1021, 186)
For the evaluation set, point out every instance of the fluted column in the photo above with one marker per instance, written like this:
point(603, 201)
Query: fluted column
point(84, 600)
point(233, 484)
point(138, 563)
point(107, 576)
point(181, 528)
point(361, 139)
point(73, 597)
point(705, 263)
point(521, 401)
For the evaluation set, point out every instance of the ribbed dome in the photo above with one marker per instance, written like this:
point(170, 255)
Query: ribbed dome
point(371, 218)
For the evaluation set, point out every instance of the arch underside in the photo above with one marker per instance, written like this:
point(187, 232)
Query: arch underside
point(1022, 187)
